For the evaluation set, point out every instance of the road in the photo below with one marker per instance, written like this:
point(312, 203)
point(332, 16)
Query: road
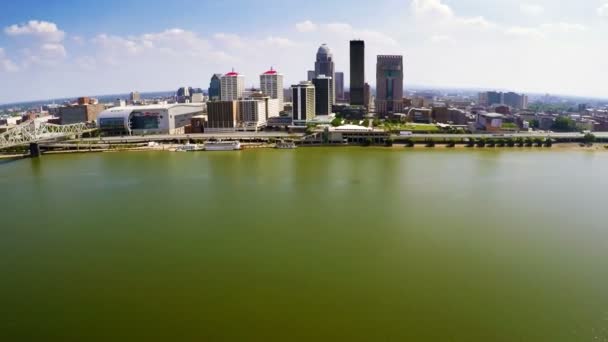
point(284, 135)
point(201, 136)
point(506, 135)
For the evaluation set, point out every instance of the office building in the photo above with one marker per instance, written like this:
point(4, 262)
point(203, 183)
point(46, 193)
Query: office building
point(310, 75)
point(357, 72)
point(389, 83)
point(323, 87)
point(232, 86)
point(303, 99)
point(511, 99)
point(251, 114)
point(222, 116)
point(86, 110)
point(271, 85)
point(183, 94)
point(134, 97)
point(272, 106)
point(490, 98)
point(324, 65)
point(514, 100)
point(339, 82)
point(215, 88)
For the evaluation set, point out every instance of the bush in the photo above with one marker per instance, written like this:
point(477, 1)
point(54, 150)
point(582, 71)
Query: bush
point(589, 139)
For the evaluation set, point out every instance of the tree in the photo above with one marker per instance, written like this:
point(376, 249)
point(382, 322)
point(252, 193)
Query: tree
point(336, 122)
point(534, 124)
point(589, 139)
point(564, 124)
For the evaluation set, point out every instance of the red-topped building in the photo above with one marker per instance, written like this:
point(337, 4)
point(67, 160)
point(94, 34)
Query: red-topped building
point(271, 85)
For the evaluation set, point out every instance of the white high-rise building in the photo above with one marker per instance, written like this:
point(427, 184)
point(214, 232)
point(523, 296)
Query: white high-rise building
point(233, 86)
point(254, 112)
point(303, 102)
point(271, 85)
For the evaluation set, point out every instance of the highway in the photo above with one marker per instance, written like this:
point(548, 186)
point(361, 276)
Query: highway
point(285, 135)
point(198, 136)
point(504, 136)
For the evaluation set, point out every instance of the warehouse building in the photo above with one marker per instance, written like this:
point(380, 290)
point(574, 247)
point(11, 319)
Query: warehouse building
point(150, 119)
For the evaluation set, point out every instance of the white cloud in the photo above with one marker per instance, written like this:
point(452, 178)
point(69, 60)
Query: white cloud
point(278, 41)
point(86, 63)
point(306, 26)
point(563, 27)
point(52, 50)
point(432, 7)
point(531, 9)
point(544, 30)
point(441, 39)
point(526, 32)
point(229, 40)
point(44, 30)
point(6, 64)
point(436, 11)
point(602, 11)
point(346, 31)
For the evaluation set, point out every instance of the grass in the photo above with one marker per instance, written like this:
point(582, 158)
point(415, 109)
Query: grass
point(412, 127)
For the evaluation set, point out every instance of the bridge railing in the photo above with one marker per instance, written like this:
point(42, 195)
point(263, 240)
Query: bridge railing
point(35, 131)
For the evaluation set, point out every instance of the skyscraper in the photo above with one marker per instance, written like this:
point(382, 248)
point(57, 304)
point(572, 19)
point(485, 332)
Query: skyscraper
point(357, 72)
point(324, 65)
point(323, 94)
point(310, 75)
point(184, 94)
point(303, 99)
point(271, 85)
point(134, 97)
point(389, 83)
point(232, 86)
point(339, 81)
point(215, 87)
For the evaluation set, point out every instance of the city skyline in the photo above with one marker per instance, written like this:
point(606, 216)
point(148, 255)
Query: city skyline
point(47, 51)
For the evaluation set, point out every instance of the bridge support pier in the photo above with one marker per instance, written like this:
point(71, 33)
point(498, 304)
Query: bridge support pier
point(34, 150)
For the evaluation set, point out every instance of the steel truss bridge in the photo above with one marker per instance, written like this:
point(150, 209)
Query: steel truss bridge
point(36, 131)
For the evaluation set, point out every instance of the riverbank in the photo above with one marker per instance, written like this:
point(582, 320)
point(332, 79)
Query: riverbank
point(172, 147)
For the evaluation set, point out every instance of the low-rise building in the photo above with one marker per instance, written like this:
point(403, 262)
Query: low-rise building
point(150, 119)
point(82, 112)
point(491, 122)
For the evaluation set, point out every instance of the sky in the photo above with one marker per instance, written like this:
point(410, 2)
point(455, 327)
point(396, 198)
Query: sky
point(69, 48)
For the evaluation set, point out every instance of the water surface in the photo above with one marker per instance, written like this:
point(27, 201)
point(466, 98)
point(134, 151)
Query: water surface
point(333, 244)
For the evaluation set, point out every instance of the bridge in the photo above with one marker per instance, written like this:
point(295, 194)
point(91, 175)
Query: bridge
point(33, 132)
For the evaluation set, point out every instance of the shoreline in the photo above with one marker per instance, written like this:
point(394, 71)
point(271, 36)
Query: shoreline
point(557, 147)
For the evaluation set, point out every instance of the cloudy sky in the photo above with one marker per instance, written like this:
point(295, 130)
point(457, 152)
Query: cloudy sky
point(64, 48)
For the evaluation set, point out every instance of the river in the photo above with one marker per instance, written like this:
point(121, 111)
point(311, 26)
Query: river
point(316, 244)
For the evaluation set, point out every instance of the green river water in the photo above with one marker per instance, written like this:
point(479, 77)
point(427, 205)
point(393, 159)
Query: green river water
point(317, 244)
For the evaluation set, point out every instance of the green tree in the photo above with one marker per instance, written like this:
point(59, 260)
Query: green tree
point(534, 124)
point(589, 139)
point(336, 122)
point(564, 124)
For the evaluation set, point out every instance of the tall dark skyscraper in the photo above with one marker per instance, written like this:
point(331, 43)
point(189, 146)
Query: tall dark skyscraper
point(215, 87)
point(357, 72)
point(389, 83)
point(323, 90)
point(324, 65)
point(339, 86)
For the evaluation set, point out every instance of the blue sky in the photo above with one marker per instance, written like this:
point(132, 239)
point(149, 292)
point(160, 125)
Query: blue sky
point(71, 48)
